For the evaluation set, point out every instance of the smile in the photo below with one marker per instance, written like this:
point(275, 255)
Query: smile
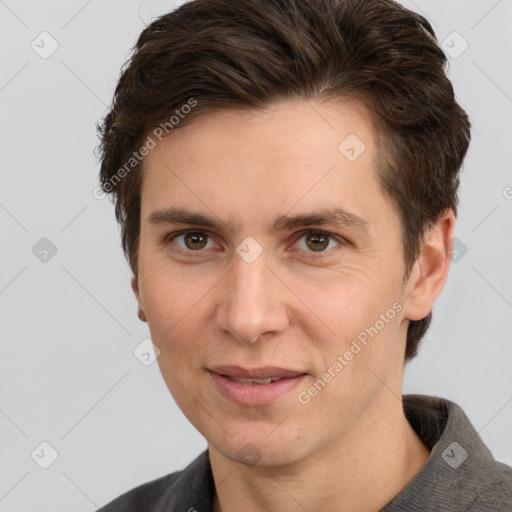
point(257, 387)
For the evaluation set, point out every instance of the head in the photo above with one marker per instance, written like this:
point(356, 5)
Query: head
point(234, 119)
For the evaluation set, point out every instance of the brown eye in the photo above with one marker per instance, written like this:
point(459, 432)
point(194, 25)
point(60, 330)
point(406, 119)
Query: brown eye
point(195, 240)
point(192, 243)
point(317, 241)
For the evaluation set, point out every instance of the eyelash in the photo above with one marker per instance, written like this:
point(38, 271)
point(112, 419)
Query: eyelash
point(297, 236)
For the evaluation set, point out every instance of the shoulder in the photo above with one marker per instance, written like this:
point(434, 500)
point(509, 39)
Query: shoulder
point(144, 497)
point(461, 474)
point(191, 488)
point(494, 488)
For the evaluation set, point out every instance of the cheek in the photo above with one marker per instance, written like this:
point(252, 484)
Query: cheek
point(344, 304)
point(178, 320)
point(176, 309)
point(359, 318)
point(168, 293)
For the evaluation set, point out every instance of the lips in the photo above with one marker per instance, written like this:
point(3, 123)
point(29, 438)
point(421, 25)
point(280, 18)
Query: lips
point(243, 380)
point(255, 374)
point(255, 387)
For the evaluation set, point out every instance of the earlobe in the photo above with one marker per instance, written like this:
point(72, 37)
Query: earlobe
point(141, 315)
point(135, 288)
point(430, 270)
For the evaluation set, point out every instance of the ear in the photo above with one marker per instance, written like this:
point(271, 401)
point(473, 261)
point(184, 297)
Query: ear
point(430, 270)
point(135, 288)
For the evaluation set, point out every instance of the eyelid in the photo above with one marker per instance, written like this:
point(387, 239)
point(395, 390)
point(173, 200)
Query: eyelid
point(171, 236)
point(296, 237)
point(312, 231)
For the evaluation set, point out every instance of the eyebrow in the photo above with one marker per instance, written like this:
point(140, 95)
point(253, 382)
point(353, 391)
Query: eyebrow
point(337, 216)
point(175, 215)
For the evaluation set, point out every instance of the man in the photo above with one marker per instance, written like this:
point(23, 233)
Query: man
point(285, 173)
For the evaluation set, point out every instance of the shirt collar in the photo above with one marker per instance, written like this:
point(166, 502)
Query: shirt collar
point(457, 456)
point(456, 452)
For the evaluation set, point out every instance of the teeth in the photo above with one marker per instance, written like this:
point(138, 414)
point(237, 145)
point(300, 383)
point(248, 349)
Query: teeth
point(243, 380)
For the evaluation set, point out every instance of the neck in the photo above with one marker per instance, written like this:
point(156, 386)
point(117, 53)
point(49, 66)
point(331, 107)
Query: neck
point(368, 467)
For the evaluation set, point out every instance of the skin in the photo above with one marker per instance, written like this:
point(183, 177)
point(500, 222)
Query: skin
point(350, 447)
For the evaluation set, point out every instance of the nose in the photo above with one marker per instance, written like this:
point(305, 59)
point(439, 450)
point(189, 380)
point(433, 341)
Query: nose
point(252, 301)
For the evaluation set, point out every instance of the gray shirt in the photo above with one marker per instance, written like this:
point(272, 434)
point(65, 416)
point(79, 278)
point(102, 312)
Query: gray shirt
point(460, 474)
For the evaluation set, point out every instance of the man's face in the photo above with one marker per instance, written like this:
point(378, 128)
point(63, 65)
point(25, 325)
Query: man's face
point(293, 253)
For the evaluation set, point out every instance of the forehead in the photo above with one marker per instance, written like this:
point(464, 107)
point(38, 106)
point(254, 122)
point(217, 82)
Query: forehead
point(308, 154)
point(290, 129)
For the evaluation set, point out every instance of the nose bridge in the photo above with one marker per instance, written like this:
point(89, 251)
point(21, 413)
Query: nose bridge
point(251, 304)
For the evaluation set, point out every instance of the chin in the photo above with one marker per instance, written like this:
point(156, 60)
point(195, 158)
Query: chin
point(259, 450)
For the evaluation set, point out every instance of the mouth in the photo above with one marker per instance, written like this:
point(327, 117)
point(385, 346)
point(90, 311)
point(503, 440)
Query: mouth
point(262, 375)
point(243, 380)
point(256, 386)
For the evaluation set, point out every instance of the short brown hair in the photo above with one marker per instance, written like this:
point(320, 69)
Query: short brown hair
point(248, 54)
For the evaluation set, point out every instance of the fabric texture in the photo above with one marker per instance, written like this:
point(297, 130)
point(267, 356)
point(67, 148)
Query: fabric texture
point(460, 475)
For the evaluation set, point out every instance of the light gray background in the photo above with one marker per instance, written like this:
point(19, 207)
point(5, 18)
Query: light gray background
point(69, 326)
